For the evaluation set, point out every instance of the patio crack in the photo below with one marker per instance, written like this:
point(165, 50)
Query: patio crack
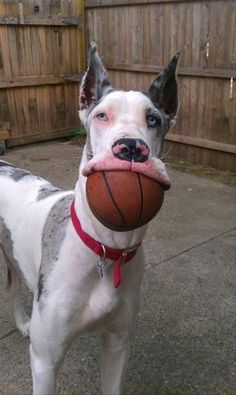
point(191, 248)
point(11, 332)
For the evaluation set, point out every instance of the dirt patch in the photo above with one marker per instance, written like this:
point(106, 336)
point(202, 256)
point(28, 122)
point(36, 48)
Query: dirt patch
point(78, 140)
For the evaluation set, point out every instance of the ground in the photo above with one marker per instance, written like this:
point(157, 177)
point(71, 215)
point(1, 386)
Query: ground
point(226, 177)
point(183, 342)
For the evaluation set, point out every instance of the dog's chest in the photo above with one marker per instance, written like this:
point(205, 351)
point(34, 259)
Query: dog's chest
point(101, 307)
point(85, 298)
point(102, 301)
point(104, 297)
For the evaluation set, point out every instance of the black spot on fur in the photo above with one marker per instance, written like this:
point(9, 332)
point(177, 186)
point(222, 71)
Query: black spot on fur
point(46, 191)
point(18, 174)
point(52, 239)
point(40, 286)
point(13, 172)
point(7, 248)
point(3, 164)
point(9, 278)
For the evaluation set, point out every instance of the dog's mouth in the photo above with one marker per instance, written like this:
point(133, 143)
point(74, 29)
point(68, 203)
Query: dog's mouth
point(153, 168)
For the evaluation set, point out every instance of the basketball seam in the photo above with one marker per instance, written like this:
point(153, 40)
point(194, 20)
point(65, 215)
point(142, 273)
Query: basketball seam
point(112, 198)
point(141, 200)
point(101, 217)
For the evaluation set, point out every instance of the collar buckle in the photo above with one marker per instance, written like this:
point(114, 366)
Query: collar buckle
point(130, 249)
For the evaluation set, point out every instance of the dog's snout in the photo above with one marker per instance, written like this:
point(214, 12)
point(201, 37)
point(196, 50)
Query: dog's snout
point(131, 150)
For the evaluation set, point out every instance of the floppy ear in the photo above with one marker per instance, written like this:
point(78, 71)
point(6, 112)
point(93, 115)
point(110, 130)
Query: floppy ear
point(164, 91)
point(95, 82)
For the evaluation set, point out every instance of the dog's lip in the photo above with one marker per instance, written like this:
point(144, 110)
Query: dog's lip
point(154, 168)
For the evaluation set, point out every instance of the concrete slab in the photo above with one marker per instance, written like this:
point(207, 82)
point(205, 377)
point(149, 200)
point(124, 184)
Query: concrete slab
point(194, 211)
point(184, 339)
point(185, 334)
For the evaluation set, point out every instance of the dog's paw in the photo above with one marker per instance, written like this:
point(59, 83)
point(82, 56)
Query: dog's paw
point(24, 327)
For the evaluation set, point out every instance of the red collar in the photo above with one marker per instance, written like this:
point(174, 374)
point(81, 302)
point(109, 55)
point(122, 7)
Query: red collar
point(117, 255)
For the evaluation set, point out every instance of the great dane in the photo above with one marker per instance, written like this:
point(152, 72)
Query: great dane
point(51, 239)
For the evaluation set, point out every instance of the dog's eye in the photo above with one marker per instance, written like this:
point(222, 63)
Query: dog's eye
point(102, 117)
point(153, 121)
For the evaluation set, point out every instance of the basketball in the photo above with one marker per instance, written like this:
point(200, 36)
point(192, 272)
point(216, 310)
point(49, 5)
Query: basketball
point(123, 200)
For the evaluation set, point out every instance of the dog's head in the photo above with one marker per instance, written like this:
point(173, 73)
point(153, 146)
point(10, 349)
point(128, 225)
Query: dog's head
point(125, 130)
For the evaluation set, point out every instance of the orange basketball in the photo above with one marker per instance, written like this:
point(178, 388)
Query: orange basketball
point(123, 200)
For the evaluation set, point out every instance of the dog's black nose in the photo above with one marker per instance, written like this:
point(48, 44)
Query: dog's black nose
point(131, 150)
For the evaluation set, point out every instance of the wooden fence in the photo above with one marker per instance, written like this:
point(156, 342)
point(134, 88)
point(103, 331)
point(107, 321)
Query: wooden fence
point(41, 56)
point(136, 40)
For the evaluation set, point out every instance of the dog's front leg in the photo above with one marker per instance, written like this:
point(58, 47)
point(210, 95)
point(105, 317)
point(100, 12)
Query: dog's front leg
point(43, 374)
point(50, 337)
point(115, 357)
point(116, 336)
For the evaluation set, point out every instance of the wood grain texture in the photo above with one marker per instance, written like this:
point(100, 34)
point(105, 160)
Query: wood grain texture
point(41, 62)
point(112, 3)
point(41, 21)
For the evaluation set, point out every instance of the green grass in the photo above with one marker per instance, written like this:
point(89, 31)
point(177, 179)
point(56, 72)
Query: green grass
point(80, 132)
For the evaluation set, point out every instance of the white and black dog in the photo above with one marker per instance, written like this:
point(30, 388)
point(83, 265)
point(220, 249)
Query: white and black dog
point(51, 239)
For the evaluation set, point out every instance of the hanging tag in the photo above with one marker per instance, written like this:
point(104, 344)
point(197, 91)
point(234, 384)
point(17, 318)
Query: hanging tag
point(102, 261)
point(101, 265)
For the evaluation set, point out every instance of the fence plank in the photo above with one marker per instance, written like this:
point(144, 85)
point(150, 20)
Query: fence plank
point(42, 21)
point(198, 142)
point(112, 3)
point(185, 71)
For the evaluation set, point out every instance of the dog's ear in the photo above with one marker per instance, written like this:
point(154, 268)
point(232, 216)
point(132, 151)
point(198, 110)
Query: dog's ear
point(164, 91)
point(95, 82)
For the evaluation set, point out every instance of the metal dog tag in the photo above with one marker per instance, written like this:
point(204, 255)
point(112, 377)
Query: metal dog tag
point(102, 261)
point(101, 265)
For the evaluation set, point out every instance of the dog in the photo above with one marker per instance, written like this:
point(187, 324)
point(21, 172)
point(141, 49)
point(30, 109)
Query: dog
point(51, 239)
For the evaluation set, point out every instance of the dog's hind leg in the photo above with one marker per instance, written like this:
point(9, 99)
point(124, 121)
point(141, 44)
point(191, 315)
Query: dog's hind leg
point(14, 291)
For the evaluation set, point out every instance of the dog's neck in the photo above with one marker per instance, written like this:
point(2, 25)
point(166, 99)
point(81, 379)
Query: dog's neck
point(93, 227)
